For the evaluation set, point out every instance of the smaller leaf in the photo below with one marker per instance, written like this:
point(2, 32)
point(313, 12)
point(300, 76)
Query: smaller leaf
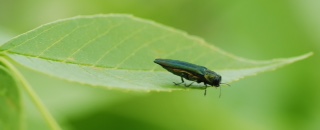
point(10, 102)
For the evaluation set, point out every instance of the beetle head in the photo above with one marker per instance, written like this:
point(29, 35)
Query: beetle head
point(212, 78)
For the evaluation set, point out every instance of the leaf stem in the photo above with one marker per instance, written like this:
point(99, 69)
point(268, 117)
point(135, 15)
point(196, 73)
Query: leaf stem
point(34, 97)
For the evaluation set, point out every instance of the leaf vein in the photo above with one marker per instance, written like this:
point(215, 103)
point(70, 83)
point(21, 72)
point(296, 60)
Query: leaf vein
point(92, 40)
point(26, 41)
point(139, 48)
point(118, 44)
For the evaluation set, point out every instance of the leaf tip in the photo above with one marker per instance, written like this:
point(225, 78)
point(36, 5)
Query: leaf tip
point(304, 56)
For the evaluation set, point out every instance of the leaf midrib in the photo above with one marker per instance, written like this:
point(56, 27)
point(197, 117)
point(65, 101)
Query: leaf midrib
point(122, 69)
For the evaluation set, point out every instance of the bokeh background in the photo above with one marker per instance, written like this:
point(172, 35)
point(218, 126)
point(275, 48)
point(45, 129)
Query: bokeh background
point(285, 99)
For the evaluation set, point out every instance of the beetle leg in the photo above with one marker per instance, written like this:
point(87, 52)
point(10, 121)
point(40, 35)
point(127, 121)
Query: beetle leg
point(188, 85)
point(205, 90)
point(182, 81)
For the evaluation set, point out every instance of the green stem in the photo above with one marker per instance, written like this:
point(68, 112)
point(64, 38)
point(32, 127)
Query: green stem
point(34, 97)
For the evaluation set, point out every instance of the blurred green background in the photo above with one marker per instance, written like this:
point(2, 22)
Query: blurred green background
point(286, 99)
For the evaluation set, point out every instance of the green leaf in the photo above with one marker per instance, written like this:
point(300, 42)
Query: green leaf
point(117, 52)
point(10, 102)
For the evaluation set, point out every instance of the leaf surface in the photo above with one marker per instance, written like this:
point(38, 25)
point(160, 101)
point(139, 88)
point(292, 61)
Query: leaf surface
point(117, 52)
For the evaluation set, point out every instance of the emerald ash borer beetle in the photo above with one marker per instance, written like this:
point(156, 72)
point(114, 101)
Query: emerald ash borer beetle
point(191, 72)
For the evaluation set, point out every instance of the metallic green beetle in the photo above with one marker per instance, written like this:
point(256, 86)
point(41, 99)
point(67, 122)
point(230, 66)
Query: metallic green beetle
point(191, 72)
